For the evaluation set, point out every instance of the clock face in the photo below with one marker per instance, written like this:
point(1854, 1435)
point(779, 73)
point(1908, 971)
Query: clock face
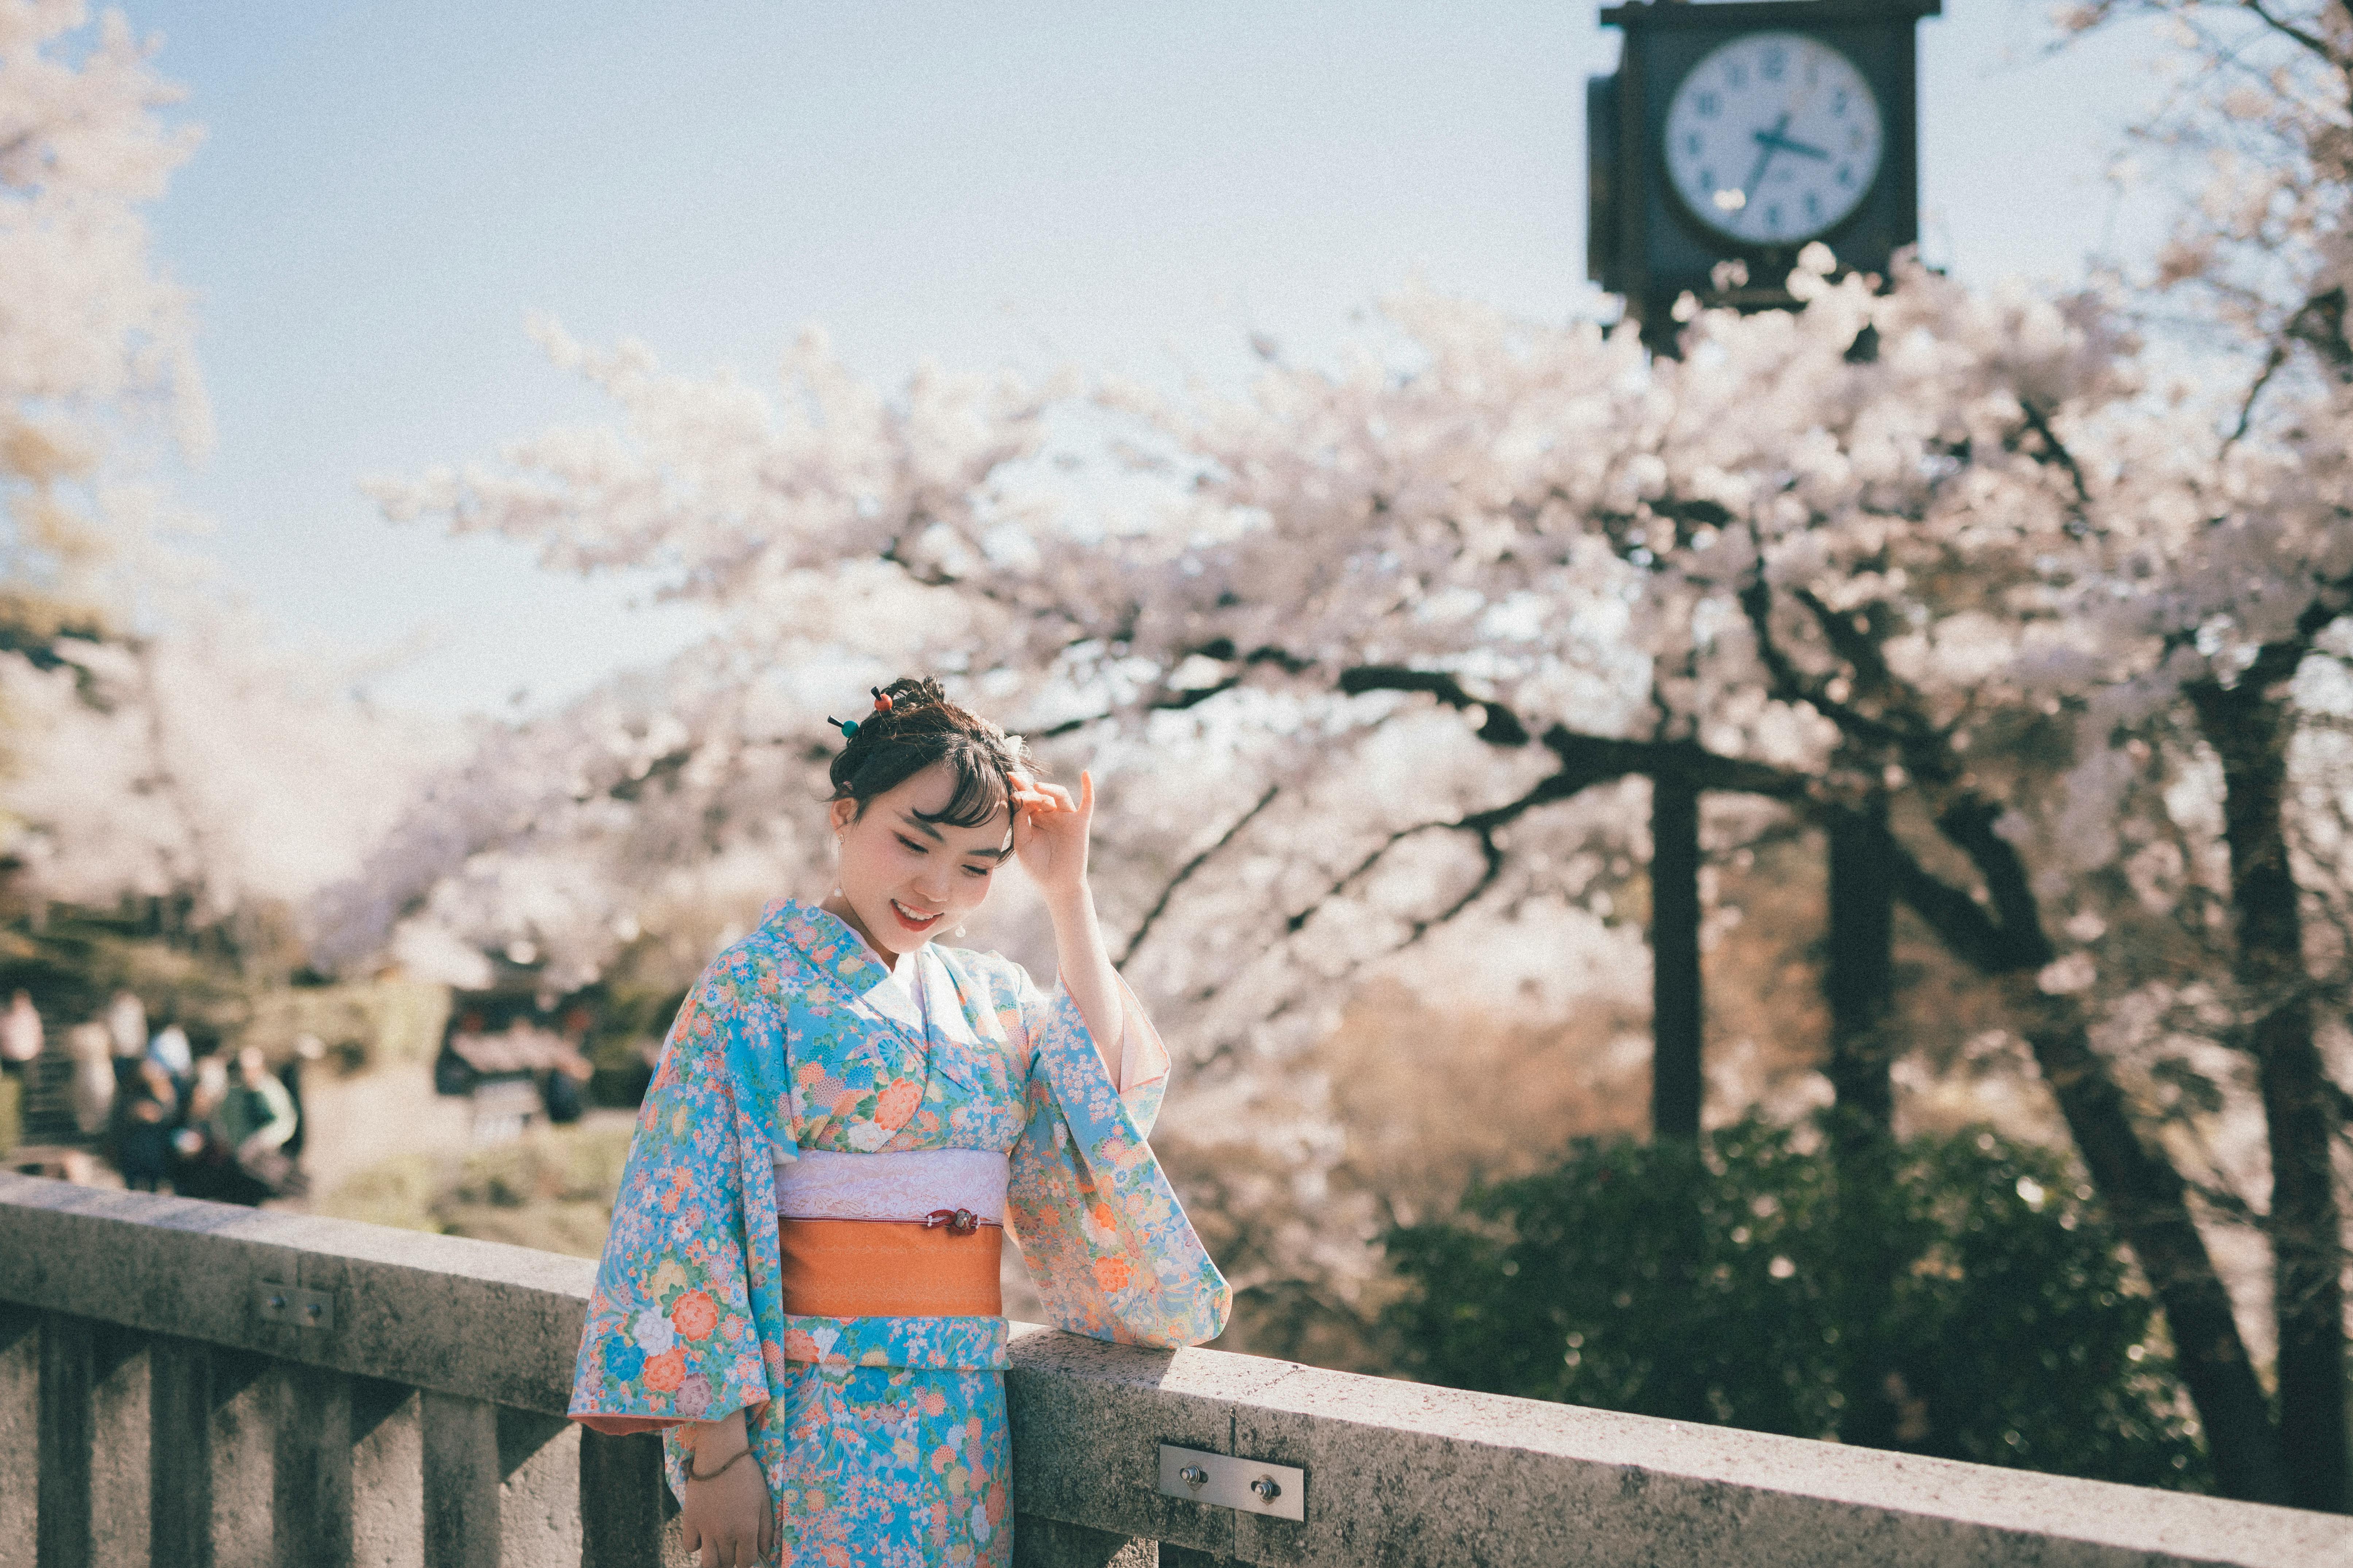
point(1773, 139)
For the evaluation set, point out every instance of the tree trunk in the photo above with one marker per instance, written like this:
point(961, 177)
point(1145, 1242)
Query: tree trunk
point(2003, 938)
point(1675, 1017)
point(1859, 979)
point(2250, 727)
point(2150, 1202)
point(1674, 958)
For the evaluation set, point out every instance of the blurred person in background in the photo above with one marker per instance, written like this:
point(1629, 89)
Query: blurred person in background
point(170, 1047)
point(91, 1091)
point(453, 1069)
point(565, 1088)
point(149, 1115)
point(203, 1168)
point(308, 1050)
point(254, 1119)
point(126, 1021)
point(20, 1031)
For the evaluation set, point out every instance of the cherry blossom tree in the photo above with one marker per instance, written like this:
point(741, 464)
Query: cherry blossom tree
point(95, 339)
point(158, 747)
point(2259, 570)
point(203, 766)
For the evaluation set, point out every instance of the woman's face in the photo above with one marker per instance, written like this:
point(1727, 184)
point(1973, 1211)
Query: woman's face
point(906, 880)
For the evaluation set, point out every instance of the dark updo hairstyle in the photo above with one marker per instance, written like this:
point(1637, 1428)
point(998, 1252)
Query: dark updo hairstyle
point(921, 727)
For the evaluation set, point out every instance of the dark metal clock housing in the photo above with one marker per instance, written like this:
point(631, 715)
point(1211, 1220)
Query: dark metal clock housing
point(1644, 240)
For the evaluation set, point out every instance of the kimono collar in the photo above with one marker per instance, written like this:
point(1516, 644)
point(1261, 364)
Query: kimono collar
point(830, 946)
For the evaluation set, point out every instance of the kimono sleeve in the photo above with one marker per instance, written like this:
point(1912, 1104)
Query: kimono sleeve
point(673, 1332)
point(1106, 1240)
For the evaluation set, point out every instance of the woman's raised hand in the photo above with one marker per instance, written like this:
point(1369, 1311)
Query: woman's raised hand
point(1049, 833)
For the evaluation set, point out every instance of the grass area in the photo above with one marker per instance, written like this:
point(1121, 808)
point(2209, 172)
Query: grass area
point(552, 1189)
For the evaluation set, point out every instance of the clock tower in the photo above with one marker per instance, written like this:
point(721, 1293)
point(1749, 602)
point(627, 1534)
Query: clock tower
point(1742, 132)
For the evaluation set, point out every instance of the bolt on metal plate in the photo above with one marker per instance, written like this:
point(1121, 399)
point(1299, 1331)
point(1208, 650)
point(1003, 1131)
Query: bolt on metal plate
point(288, 1304)
point(1248, 1485)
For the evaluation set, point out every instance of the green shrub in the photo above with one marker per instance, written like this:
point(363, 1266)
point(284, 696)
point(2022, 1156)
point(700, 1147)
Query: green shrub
point(1957, 1296)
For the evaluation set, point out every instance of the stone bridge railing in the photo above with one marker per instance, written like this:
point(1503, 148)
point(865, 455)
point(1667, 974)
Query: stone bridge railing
point(187, 1383)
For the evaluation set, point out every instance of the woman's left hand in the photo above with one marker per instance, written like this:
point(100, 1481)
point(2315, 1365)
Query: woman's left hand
point(1049, 833)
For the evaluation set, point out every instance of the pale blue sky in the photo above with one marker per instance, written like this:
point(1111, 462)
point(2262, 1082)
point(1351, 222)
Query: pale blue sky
point(387, 189)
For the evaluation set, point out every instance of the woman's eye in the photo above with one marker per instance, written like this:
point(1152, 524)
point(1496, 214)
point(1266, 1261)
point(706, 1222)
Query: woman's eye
point(978, 870)
point(912, 845)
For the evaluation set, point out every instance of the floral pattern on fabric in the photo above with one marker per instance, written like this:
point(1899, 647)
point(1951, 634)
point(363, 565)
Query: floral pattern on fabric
point(894, 1467)
point(883, 1438)
point(675, 1331)
point(939, 1343)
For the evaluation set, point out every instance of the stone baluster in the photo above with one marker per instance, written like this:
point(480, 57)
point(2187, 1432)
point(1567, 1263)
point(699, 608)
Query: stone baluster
point(621, 1500)
point(310, 1468)
point(179, 1452)
point(539, 1490)
point(387, 1474)
point(20, 1445)
point(461, 1482)
point(91, 1494)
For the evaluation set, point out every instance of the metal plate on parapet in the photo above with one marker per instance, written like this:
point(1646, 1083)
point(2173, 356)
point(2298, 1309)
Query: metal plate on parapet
point(286, 1304)
point(1250, 1486)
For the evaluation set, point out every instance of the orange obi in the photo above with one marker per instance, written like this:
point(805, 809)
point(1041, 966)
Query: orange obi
point(891, 1269)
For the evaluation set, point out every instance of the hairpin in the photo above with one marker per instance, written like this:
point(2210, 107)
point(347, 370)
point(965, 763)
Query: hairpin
point(848, 727)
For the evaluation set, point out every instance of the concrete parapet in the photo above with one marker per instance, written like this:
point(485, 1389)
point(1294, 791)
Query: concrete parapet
point(416, 1418)
point(440, 1312)
point(1407, 1473)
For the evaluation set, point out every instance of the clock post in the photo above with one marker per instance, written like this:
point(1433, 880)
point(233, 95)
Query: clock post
point(1742, 132)
point(1739, 131)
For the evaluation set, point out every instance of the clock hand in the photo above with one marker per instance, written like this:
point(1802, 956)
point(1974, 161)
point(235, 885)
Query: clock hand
point(1782, 143)
point(1767, 146)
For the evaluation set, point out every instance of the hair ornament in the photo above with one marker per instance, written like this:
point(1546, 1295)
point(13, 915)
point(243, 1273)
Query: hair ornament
point(848, 727)
point(881, 699)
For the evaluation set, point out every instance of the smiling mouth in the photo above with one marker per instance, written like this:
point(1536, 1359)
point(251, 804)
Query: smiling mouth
point(910, 920)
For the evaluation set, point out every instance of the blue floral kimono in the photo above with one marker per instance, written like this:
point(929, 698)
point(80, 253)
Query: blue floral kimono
point(885, 1439)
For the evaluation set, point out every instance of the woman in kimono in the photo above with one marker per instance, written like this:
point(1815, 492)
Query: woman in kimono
point(801, 1289)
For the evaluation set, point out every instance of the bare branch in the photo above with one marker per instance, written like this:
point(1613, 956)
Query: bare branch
point(1185, 872)
point(1502, 727)
point(2272, 364)
point(2287, 30)
point(2055, 450)
point(1791, 684)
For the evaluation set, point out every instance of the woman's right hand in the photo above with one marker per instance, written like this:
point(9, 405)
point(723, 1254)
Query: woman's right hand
point(728, 1519)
